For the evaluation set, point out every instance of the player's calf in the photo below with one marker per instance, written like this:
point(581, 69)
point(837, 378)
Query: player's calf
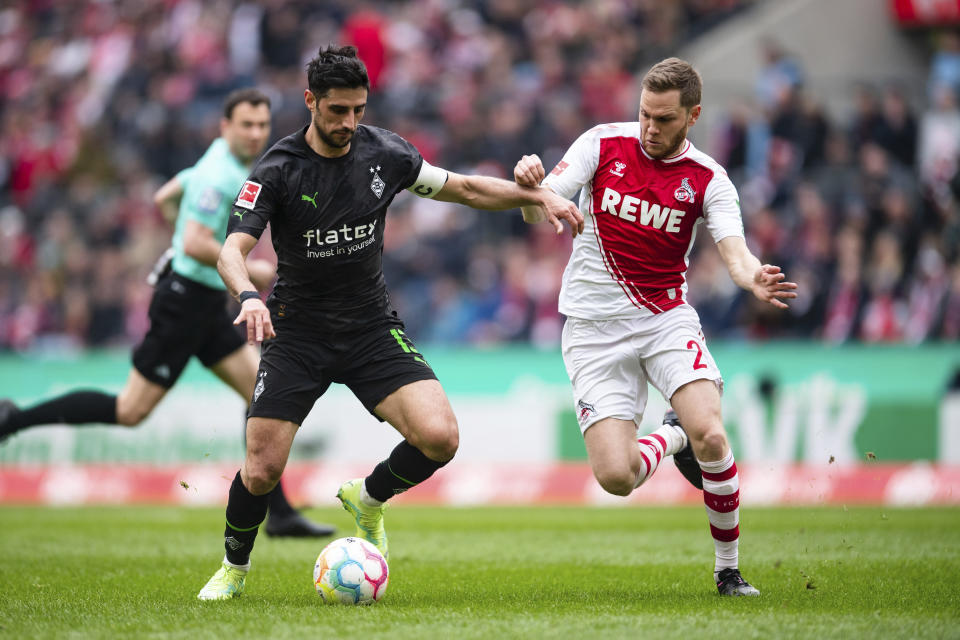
point(667, 440)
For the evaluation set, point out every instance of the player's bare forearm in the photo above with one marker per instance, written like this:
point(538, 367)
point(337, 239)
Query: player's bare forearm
point(741, 266)
point(233, 270)
point(231, 263)
point(167, 199)
point(484, 192)
point(765, 281)
point(532, 214)
point(199, 243)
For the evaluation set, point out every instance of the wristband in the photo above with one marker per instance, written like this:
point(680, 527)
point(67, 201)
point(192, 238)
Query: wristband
point(247, 295)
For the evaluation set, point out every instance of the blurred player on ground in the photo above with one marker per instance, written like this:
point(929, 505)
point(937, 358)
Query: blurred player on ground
point(645, 190)
point(325, 191)
point(188, 314)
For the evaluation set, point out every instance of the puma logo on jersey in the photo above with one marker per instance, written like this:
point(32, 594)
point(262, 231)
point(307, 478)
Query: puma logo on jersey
point(649, 214)
point(312, 200)
point(239, 214)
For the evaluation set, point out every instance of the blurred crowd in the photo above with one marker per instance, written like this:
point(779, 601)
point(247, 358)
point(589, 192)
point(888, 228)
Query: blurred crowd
point(100, 102)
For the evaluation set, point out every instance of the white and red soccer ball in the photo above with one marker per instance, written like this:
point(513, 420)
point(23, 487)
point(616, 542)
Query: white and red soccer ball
point(350, 571)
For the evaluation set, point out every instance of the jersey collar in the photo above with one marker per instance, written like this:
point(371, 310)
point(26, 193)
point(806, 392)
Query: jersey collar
point(671, 159)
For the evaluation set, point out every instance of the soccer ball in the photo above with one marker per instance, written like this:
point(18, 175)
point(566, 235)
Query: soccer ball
point(350, 571)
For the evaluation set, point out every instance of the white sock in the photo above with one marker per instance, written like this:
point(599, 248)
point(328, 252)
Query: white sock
point(721, 498)
point(241, 567)
point(366, 498)
point(665, 441)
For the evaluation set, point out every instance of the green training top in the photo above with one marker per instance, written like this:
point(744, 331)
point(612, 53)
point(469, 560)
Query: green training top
point(210, 187)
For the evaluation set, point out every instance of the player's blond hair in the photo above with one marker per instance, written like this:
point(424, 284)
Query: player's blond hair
point(674, 73)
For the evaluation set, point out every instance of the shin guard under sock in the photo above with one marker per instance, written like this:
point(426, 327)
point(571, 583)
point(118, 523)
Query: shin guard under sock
point(245, 512)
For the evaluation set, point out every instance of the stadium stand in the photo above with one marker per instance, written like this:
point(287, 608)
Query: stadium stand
point(100, 102)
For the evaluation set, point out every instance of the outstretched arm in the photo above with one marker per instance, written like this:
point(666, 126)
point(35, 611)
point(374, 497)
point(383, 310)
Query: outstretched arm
point(233, 269)
point(766, 281)
point(483, 192)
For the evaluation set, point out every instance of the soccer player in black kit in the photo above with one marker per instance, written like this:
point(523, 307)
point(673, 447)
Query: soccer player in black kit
point(325, 191)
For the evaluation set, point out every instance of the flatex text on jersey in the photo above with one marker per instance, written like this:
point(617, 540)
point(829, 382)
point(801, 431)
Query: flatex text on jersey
point(324, 244)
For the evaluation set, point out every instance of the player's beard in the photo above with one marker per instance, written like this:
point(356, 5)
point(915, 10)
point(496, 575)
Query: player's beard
point(329, 139)
point(675, 143)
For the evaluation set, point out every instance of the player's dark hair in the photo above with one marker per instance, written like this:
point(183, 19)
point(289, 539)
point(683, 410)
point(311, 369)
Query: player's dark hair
point(674, 73)
point(336, 68)
point(240, 96)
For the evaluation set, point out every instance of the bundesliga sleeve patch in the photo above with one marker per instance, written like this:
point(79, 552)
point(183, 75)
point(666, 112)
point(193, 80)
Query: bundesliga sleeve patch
point(248, 195)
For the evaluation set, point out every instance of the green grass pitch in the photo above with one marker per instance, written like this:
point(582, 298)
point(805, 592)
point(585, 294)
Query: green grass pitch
point(538, 572)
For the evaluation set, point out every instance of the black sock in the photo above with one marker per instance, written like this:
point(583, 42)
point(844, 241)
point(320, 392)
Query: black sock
point(77, 407)
point(406, 467)
point(278, 502)
point(245, 512)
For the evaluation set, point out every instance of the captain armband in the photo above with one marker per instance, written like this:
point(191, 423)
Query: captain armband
point(430, 181)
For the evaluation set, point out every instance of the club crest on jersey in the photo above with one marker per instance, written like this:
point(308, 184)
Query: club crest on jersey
point(618, 168)
point(685, 192)
point(248, 195)
point(377, 185)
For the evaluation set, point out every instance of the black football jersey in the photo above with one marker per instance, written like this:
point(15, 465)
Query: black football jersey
point(327, 217)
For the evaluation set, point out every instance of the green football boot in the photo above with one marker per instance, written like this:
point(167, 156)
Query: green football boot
point(226, 583)
point(369, 519)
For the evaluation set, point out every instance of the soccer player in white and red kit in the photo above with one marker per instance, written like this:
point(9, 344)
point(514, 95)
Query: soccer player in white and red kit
point(644, 191)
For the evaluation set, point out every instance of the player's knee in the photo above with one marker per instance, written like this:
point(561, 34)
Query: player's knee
point(713, 444)
point(619, 482)
point(262, 477)
point(440, 440)
point(129, 414)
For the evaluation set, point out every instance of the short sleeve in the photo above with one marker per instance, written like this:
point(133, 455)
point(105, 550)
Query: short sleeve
point(577, 167)
point(183, 176)
point(203, 202)
point(721, 208)
point(258, 200)
point(411, 161)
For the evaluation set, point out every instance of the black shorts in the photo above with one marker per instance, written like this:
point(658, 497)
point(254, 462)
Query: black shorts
point(186, 319)
point(297, 367)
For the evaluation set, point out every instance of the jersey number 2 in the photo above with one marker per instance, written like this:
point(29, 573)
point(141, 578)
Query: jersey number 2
point(693, 344)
